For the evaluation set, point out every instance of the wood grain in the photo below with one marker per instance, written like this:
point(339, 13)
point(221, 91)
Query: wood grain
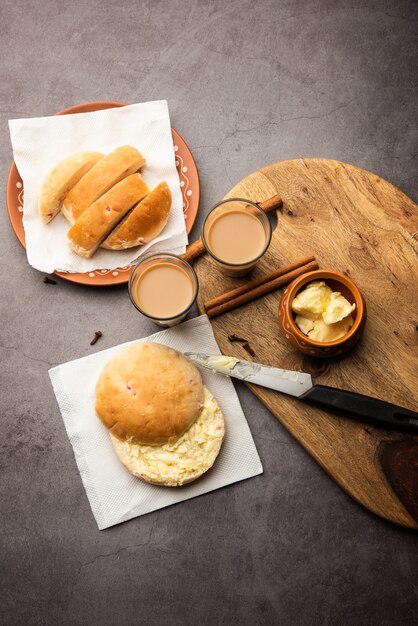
point(357, 223)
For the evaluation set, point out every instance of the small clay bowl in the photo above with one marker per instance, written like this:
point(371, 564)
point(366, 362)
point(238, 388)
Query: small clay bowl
point(323, 349)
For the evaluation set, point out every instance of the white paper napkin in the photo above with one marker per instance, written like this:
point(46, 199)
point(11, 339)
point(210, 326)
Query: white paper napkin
point(114, 494)
point(38, 143)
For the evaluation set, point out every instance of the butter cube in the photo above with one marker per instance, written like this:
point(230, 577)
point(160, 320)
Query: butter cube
point(338, 308)
point(305, 324)
point(330, 332)
point(312, 301)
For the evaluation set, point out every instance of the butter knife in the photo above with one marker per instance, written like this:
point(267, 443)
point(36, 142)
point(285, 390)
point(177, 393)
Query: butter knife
point(301, 386)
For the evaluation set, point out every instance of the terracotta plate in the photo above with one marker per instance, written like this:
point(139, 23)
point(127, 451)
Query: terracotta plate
point(189, 182)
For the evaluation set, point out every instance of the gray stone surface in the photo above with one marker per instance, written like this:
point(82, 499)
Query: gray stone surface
point(248, 83)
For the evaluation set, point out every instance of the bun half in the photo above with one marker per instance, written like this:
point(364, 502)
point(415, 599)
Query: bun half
point(60, 179)
point(149, 394)
point(95, 223)
point(146, 220)
point(107, 172)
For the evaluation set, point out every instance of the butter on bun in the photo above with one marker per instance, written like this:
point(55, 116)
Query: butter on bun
point(60, 179)
point(183, 461)
point(146, 220)
point(107, 172)
point(166, 428)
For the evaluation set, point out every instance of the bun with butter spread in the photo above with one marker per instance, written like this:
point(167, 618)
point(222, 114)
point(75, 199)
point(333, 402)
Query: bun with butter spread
point(146, 220)
point(165, 426)
point(93, 226)
point(60, 179)
point(106, 173)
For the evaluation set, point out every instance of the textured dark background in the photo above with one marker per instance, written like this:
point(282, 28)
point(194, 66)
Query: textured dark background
point(248, 83)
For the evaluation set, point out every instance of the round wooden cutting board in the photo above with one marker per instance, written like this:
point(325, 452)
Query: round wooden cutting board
point(361, 225)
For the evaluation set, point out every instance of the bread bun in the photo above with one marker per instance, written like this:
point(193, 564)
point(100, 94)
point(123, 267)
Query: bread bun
point(60, 179)
point(149, 394)
point(180, 462)
point(93, 226)
point(111, 169)
point(146, 220)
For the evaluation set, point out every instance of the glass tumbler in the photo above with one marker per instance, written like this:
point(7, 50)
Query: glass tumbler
point(163, 287)
point(236, 234)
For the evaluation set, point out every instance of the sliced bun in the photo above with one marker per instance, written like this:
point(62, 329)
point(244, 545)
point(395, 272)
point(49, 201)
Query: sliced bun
point(149, 394)
point(184, 460)
point(93, 226)
point(61, 178)
point(107, 172)
point(146, 220)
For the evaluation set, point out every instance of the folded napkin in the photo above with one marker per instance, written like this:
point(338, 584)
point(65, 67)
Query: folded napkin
point(114, 494)
point(38, 143)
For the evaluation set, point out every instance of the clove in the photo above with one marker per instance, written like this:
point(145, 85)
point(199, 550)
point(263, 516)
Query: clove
point(49, 281)
point(248, 348)
point(97, 335)
point(235, 337)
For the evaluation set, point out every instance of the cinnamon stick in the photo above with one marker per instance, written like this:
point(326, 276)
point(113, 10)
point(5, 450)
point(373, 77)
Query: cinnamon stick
point(196, 249)
point(210, 304)
point(275, 202)
point(193, 251)
point(256, 289)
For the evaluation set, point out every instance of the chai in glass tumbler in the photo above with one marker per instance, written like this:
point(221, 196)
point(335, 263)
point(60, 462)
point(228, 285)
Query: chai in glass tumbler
point(163, 287)
point(236, 233)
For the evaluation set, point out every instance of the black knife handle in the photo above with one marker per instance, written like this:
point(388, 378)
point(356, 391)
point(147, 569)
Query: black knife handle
point(362, 407)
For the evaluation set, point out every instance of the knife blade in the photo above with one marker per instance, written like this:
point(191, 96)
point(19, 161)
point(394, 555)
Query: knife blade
point(301, 386)
point(286, 381)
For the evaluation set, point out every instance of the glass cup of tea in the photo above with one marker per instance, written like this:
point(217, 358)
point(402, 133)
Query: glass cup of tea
point(163, 287)
point(236, 233)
